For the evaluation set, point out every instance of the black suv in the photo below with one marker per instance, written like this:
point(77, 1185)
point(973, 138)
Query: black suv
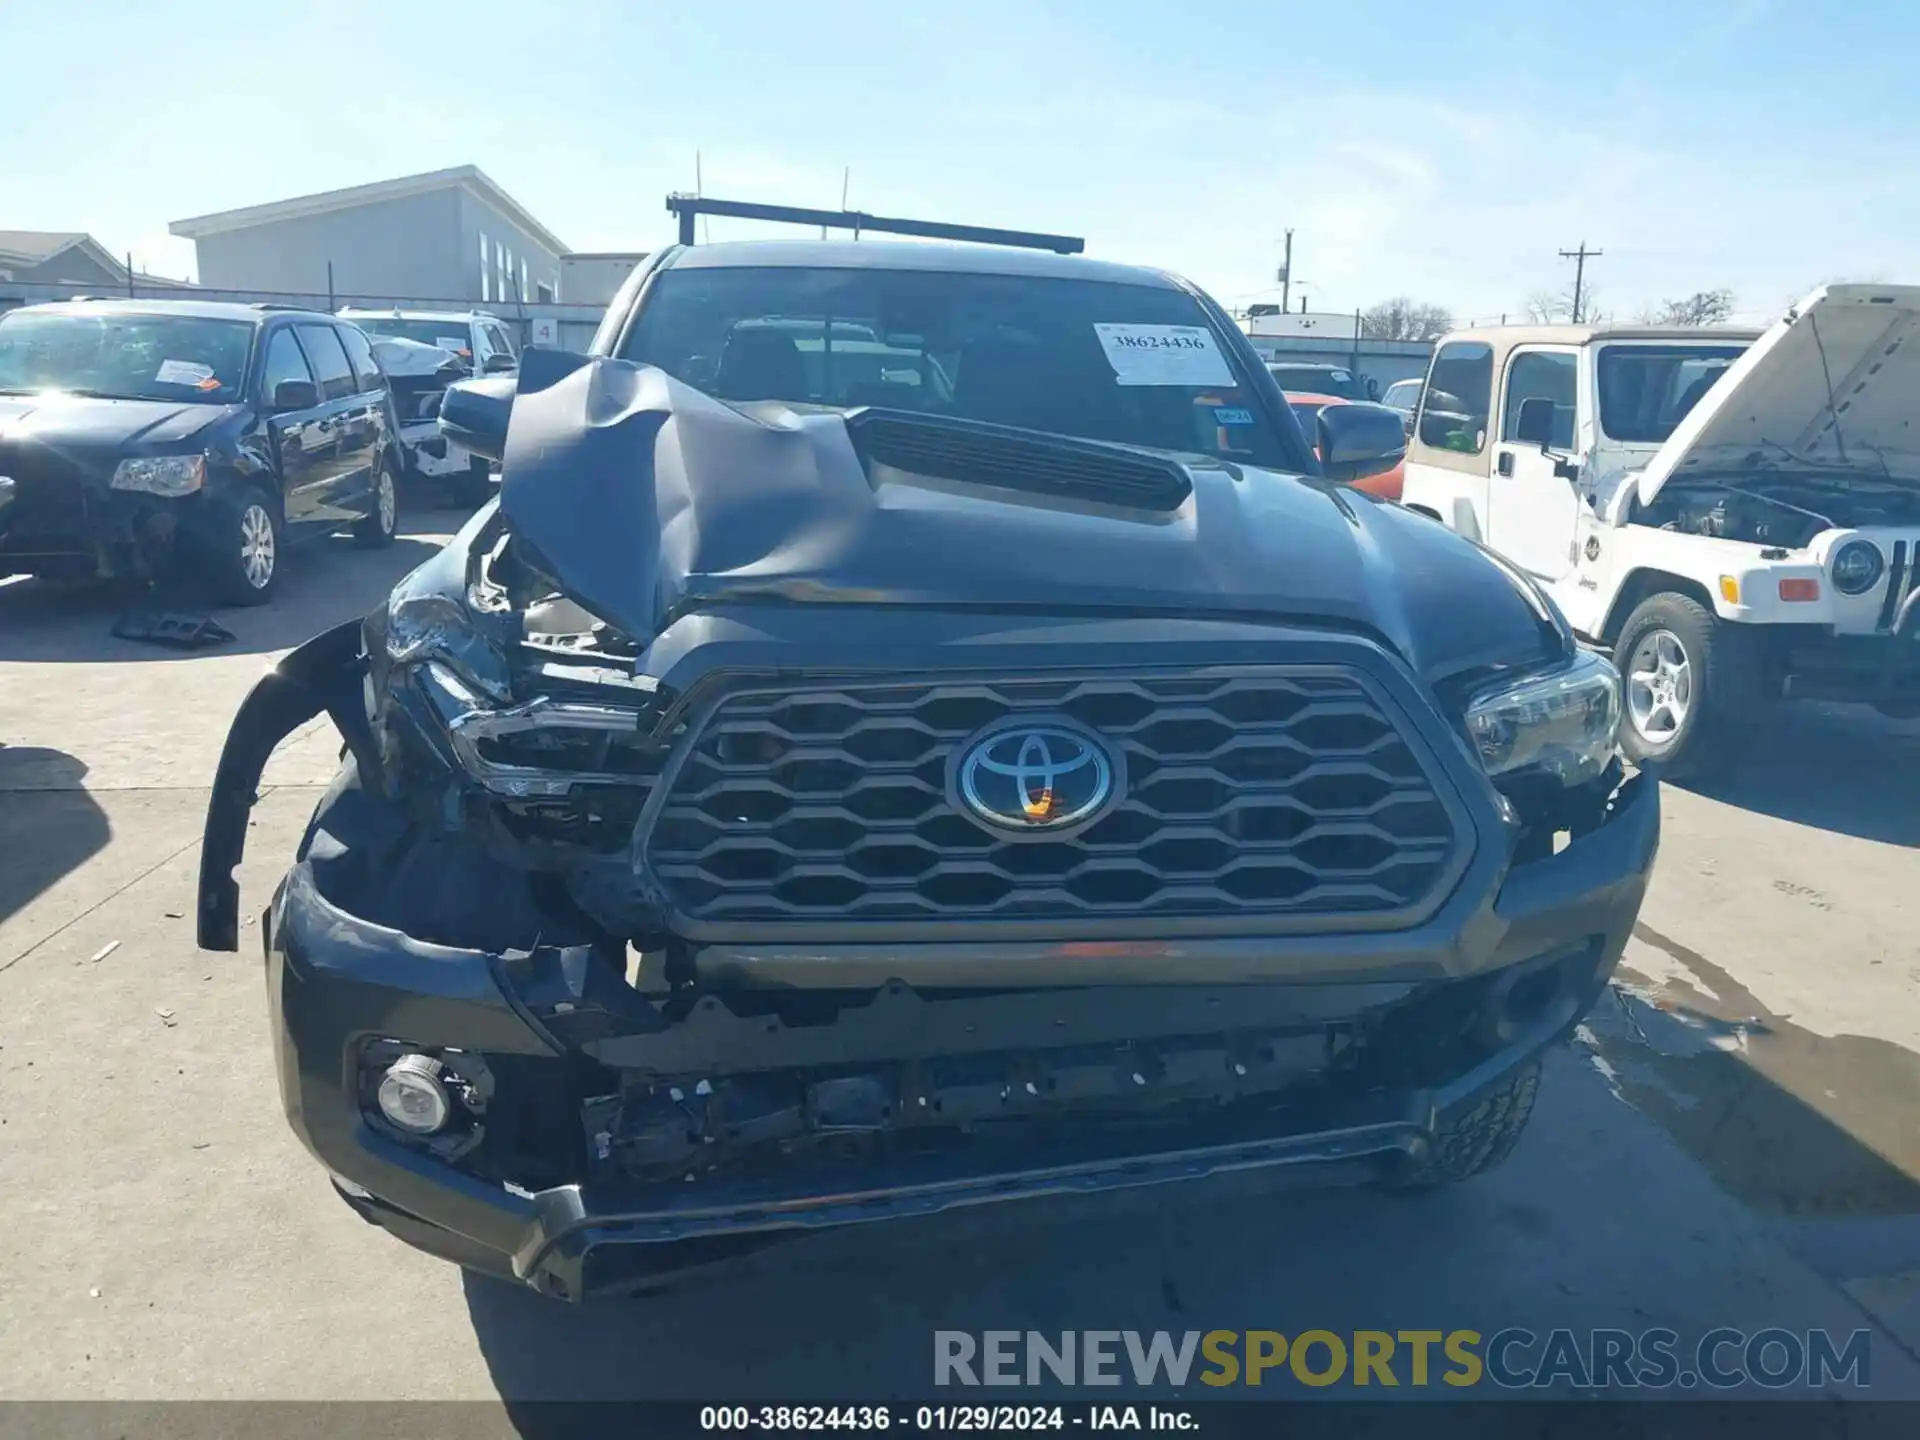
point(919, 728)
point(139, 437)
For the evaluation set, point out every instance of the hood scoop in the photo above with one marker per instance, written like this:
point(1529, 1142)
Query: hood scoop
point(1002, 457)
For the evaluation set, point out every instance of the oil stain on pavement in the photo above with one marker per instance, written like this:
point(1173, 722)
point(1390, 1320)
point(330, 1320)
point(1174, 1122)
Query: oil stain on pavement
point(1799, 1126)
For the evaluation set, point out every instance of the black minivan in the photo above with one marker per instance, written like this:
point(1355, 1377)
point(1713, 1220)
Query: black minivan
point(154, 437)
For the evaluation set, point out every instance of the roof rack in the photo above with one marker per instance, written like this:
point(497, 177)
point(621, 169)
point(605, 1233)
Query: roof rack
point(689, 207)
point(271, 305)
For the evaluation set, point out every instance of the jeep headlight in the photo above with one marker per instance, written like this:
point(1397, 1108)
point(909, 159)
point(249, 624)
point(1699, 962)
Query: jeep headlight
point(1857, 567)
point(168, 475)
point(1563, 723)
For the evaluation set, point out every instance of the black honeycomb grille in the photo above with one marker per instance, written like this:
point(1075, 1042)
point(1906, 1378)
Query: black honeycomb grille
point(1246, 794)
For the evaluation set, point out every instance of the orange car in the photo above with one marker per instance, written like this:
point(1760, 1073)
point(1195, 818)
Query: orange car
point(1307, 408)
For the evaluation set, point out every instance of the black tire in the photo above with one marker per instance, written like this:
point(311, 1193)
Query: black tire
point(247, 547)
point(474, 488)
point(1710, 682)
point(1473, 1141)
point(382, 523)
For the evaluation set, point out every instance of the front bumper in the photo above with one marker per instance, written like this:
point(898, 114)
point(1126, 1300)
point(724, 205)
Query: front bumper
point(431, 453)
point(87, 528)
point(338, 980)
point(1881, 669)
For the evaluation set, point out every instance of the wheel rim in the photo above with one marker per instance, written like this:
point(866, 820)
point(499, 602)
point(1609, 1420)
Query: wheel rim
point(257, 548)
point(1659, 686)
point(389, 504)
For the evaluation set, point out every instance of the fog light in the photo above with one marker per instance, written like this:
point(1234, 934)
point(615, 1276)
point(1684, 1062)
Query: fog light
point(412, 1096)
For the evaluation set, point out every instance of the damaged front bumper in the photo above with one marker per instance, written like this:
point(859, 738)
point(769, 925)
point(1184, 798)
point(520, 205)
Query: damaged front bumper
point(430, 453)
point(93, 531)
point(606, 1135)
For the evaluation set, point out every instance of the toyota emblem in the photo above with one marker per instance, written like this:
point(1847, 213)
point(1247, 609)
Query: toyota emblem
point(1035, 777)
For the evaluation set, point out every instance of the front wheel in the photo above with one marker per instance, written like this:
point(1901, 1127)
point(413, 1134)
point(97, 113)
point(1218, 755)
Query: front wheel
point(381, 523)
point(245, 564)
point(1677, 681)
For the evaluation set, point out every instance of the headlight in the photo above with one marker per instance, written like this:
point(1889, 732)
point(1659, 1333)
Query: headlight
point(423, 621)
point(170, 475)
point(1857, 567)
point(1563, 723)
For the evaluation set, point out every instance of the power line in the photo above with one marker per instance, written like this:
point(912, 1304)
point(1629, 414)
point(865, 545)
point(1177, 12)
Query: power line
point(1579, 258)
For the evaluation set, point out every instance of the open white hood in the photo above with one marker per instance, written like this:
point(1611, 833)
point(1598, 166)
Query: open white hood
point(1835, 384)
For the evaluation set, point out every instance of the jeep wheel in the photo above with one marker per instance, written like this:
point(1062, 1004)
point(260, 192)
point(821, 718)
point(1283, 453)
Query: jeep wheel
point(475, 487)
point(381, 523)
point(1473, 1141)
point(1673, 670)
point(246, 546)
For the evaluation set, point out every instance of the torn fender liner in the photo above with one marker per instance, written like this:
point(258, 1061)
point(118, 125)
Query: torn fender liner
point(322, 675)
point(644, 498)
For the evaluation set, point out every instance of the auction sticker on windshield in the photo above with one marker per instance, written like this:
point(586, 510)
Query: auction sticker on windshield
point(183, 372)
point(1163, 355)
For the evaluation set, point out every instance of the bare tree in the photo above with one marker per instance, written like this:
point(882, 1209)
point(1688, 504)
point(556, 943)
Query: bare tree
point(1404, 319)
point(1555, 307)
point(1703, 307)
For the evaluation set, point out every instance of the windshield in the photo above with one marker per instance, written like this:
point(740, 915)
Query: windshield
point(1129, 363)
point(125, 357)
point(1647, 390)
point(447, 334)
point(1318, 380)
point(1402, 395)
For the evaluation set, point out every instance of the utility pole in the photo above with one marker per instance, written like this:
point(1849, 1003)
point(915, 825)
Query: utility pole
point(1286, 273)
point(1579, 258)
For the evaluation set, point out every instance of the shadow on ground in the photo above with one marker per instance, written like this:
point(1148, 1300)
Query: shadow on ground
point(1599, 1220)
point(321, 585)
point(49, 825)
point(1842, 768)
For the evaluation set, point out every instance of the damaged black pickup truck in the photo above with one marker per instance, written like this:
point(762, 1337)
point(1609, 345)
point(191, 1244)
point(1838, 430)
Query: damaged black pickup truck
point(920, 727)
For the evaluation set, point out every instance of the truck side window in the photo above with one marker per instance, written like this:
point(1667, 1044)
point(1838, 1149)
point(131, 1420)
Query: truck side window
point(1541, 374)
point(1458, 397)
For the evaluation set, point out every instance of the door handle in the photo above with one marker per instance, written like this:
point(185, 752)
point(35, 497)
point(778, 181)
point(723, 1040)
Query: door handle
point(1505, 463)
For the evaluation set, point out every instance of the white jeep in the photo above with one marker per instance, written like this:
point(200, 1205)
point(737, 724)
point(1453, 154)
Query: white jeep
point(1735, 513)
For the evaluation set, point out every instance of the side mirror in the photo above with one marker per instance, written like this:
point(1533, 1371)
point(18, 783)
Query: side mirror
point(1359, 440)
point(1373, 388)
point(500, 363)
point(1534, 424)
point(474, 415)
point(295, 395)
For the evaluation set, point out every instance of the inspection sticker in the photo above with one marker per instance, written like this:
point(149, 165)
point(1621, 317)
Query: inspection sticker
point(1163, 355)
point(1233, 417)
point(450, 342)
point(183, 372)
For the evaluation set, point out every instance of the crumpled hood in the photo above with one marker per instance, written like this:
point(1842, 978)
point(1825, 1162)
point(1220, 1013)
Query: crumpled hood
point(409, 358)
point(1831, 385)
point(76, 423)
point(645, 497)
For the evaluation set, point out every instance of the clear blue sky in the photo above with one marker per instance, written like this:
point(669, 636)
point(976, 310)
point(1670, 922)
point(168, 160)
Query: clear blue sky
point(1436, 150)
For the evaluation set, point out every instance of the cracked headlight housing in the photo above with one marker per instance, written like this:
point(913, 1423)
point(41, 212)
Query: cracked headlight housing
point(168, 475)
point(1564, 722)
point(424, 622)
